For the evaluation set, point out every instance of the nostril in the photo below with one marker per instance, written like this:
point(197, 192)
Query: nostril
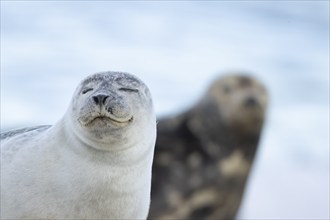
point(96, 100)
point(100, 99)
point(104, 98)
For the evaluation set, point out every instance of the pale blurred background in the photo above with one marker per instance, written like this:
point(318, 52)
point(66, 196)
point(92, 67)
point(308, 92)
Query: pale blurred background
point(178, 48)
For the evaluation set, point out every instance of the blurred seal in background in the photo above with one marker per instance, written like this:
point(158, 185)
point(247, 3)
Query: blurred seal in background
point(203, 156)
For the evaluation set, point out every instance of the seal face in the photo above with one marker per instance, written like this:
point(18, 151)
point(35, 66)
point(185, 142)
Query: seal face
point(104, 102)
point(241, 101)
point(109, 107)
point(94, 163)
point(203, 156)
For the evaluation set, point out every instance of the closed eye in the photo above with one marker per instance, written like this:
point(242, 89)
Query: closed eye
point(128, 90)
point(87, 90)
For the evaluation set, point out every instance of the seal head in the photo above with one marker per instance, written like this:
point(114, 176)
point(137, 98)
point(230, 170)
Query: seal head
point(238, 101)
point(108, 108)
point(243, 101)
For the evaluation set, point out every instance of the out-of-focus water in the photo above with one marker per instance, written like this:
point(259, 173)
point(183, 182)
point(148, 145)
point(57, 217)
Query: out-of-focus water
point(178, 48)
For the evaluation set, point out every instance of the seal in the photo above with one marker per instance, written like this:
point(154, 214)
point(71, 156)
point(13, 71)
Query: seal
point(203, 156)
point(94, 163)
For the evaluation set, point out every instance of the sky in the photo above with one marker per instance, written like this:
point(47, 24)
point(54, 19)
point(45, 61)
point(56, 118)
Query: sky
point(177, 49)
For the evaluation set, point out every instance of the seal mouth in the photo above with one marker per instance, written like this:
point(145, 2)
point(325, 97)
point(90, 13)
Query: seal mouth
point(105, 120)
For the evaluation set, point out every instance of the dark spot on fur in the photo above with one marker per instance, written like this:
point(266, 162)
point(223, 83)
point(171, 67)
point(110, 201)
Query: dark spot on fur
point(202, 212)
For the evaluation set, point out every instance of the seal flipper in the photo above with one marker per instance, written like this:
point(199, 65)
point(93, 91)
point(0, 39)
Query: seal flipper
point(12, 133)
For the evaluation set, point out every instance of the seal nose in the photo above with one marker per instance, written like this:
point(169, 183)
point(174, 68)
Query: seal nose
point(251, 101)
point(100, 99)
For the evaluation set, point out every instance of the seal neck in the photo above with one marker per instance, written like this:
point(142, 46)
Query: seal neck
point(132, 153)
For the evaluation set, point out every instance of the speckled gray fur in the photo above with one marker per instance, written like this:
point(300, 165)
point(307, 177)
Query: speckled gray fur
point(203, 156)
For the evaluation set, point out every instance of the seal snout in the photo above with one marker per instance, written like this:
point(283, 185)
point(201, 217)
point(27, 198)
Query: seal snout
point(112, 106)
point(100, 99)
point(251, 101)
